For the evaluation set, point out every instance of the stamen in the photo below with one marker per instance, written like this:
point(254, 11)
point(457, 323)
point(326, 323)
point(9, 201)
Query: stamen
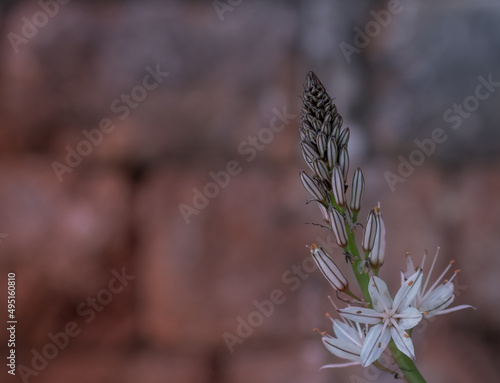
point(329, 317)
point(456, 272)
point(437, 280)
point(424, 287)
point(322, 333)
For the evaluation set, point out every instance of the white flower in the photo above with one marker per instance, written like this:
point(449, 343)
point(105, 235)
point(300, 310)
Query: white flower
point(346, 344)
point(438, 296)
point(390, 318)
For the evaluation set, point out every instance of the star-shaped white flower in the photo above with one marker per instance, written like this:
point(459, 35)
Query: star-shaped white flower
point(439, 296)
point(390, 318)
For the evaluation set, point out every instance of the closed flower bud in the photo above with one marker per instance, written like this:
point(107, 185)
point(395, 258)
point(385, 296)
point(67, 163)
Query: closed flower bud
point(321, 143)
point(337, 222)
point(302, 134)
point(344, 137)
point(358, 186)
point(324, 212)
point(329, 269)
point(321, 170)
point(312, 186)
point(335, 132)
point(332, 152)
point(338, 186)
point(377, 254)
point(316, 125)
point(309, 150)
point(369, 234)
point(309, 161)
point(344, 161)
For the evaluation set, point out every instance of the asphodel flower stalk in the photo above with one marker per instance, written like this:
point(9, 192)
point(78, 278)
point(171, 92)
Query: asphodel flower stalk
point(385, 321)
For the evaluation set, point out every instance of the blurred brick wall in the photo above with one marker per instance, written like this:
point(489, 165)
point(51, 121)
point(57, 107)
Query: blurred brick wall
point(234, 75)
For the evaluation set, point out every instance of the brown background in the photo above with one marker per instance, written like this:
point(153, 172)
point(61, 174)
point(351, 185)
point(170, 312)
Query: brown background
point(119, 208)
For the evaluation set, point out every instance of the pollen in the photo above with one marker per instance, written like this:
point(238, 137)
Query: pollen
point(452, 262)
point(410, 283)
point(314, 246)
point(358, 312)
point(458, 271)
point(327, 315)
point(379, 344)
point(425, 312)
point(406, 335)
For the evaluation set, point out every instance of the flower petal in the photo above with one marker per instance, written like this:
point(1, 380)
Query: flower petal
point(408, 291)
point(379, 293)
point(408, 317)
point(347, 333)
point(403, 341)
point(340, 365)
point(361, 315)
point(342, 349)
point(438, 300)
point(456, 308)
point(375, 343)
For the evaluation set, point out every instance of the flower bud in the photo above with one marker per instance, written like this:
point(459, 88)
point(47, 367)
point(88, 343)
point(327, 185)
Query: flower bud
point(344, 137)
point(309, 150)
point(329, 269)
point(324, 212)
point(337, 221)
point(308, 161)
point(344, 161)
point(335, 131)
point(316, 124)
point(332, 152)
point(326, 128)
point(369, 234)
point(377, 254)
point(321, 143)
point(312, 186)
point(358, 186)
point(320, 169)
point(338, 186)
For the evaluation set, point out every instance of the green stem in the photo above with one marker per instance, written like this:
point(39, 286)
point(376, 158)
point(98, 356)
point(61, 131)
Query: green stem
point(362, 278)
point(407, 366)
